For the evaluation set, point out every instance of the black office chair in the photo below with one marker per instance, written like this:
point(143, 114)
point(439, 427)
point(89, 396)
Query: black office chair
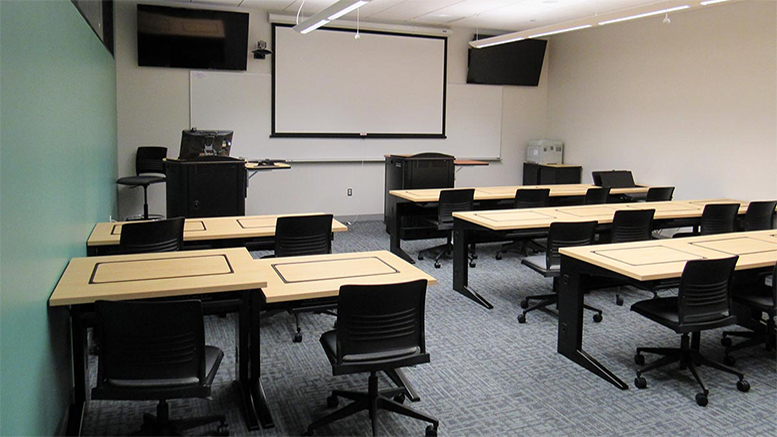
point(595, 196)
point(759, 216)
point(560, 234)
point(631, 225)
point(305, 235)
point(379, 328)
point(659, 194)
point(703, 302)
point(153, 236)
point(761, 299)
point(525, 198)
point(450, 201)
point(717, 218)
point(156, 351)
point(149, 169)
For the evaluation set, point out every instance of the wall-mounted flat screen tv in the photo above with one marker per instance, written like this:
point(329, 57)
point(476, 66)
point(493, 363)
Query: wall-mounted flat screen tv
point(192, 38)
point(516, 63)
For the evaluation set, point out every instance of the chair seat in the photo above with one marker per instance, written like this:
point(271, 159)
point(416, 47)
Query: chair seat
point(761, 300)
point(141, 180)
point(538, 264)
point(329, 341)
point(664, 311)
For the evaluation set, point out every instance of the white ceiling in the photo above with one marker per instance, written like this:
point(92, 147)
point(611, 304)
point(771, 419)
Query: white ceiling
point(507, 15)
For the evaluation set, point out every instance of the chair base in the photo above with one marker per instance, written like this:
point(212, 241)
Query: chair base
point(161, 425)
point(372, 401)
point(550, 299)
point(766, 336)
point(328, 308)
point(445, 250)
point(688, 358)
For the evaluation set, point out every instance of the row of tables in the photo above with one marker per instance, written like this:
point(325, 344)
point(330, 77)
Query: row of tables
point(229, 279)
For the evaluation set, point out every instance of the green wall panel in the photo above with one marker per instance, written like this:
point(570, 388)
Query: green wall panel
point(57, 174)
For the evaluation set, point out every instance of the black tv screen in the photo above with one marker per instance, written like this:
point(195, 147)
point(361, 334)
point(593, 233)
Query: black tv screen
point(192, 38)
point(516, 63)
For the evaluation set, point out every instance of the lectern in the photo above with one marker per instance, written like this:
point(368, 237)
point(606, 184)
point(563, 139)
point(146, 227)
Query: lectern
point(206, 186)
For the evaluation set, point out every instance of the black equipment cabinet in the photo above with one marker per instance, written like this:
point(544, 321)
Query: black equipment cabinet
point(409, 172)
point(211, 186)
point(544, 174)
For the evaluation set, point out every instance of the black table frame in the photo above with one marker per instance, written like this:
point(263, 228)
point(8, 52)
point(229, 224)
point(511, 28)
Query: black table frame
point(82, 317)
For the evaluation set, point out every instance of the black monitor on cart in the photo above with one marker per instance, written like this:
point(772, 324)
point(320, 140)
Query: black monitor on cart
point(196, 143)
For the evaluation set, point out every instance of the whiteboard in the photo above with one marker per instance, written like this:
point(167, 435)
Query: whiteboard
point(241, 102)
point(328, 83)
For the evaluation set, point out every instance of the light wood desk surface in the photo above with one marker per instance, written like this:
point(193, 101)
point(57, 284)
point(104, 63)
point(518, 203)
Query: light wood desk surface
point(143, 276)
point(206, 229)
point(530, 218)
point(508, 192)
point(320, 276)
point(665, 259)
point(254, 166)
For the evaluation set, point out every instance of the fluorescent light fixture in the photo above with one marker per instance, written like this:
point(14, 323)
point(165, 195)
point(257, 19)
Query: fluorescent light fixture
point(480, 46)
point(561, 31)
point(333, 12)
point(646, 14)
point(712, 2)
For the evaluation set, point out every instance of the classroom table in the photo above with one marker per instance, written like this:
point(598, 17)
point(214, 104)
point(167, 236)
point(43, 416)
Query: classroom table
point(202, 233)
point(292, 280)
point(409, 202)
point(222, 278)
point(517, 223)
point(644, 263)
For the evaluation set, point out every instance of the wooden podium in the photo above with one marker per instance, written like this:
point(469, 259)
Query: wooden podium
point(208, 186)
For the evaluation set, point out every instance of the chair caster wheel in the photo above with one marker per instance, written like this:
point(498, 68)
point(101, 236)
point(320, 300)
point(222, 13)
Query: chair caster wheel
point(619, 301)
point(498, 256)
point(297, 338)
point(597, 317)
point(420, 257)
point(332, 401)
point(640, 382)
point(522, 318)
point(725, 342)
point(639, 359)
point(472, 264)
point(743, 386)
point(400, 398)
point(436, 265)
point(474, 256)
point(222, 430)
point(701, 399)
point(729, 360)
point(431, 431)
point(524, 304)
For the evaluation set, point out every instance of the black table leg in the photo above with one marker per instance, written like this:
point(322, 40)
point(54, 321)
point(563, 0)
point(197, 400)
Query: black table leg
point(401, 380)
point(570, 322)
point(80, 371)
point(257, 396)
point(461, 264)
point(395, 228)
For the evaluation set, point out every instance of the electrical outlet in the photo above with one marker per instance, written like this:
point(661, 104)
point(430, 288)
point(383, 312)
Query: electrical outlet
point(350, 191)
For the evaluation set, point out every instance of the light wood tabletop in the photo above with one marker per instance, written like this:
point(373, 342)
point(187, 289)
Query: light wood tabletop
point(320, 276)
point(665, 259)
point(206, 229)
point(151, 275)
point(530, 218)
point(508, 192)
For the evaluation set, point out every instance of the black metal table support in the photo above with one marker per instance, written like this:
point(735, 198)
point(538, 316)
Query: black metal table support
point(461, 263)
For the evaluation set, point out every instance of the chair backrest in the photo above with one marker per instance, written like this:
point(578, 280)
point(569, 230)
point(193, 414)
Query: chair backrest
point(704, 295)
point(567, 234)
point(760, 215)
point(719, 218)
point(596, 195)
point(303, 235)
point(613, 178)
point(381, 321)
point(658, 194)
point(632, 225)
point(150, 159)
point(453, 201)
point(152, 236)
point(151, 341)
point(531, 198)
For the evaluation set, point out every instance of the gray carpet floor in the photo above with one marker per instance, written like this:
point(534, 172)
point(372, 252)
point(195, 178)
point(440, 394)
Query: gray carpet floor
point(488, 375)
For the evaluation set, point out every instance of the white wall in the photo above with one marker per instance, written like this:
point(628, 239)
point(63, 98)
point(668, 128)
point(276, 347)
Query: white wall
point(691, 104)
point(153, 108)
